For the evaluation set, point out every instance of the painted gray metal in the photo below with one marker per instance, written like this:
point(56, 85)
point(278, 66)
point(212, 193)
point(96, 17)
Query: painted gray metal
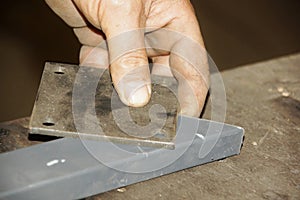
point(71, 169)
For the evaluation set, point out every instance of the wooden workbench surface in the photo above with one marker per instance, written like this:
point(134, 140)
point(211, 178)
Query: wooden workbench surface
point(263, 98)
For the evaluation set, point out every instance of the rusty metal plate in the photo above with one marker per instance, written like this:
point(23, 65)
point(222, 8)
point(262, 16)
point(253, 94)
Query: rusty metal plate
point(64, 108)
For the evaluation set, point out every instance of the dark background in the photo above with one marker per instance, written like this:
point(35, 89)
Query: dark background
point(236, 32)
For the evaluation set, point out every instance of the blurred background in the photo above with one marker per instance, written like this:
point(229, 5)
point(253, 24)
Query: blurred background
point(235, 32)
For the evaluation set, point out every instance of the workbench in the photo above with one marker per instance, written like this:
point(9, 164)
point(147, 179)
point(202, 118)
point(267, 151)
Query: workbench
point(264, 99)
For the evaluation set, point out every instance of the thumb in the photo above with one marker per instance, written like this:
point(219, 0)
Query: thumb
point(123, 23)
point(129, 67)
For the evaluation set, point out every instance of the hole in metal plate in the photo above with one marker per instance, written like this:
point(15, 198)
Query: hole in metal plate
point(48, 123)
point(59, 70)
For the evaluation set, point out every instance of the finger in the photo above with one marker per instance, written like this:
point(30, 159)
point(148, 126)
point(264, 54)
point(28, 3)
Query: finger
point(159, 42)
point(130, 69)
point(121, 21)
point(67, 11)
point(186, 18)
point(188, 61)
point(93, 57)
point(129, 63)
point(161, 66)
point(89, 36)
point(192, 87)
point(191, 93)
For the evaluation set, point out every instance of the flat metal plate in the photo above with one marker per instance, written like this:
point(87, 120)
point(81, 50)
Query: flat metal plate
point(54, 114)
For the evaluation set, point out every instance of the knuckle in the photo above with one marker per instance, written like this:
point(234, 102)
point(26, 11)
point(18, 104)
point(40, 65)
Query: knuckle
point(133, 60)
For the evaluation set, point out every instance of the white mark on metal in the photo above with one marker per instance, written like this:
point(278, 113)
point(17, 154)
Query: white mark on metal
point(143, 152)
point(124, 181)
point(52, 162)
point(200, 136)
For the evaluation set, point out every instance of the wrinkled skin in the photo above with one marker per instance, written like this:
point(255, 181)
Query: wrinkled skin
point(94, 21)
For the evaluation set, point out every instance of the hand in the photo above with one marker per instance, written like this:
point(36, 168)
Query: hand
point(95, 21)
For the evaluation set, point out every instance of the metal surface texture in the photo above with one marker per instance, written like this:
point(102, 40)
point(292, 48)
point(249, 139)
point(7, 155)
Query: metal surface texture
point(71, 168)
point(55, 108)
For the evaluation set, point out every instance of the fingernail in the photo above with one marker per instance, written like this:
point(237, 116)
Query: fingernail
point(140, 97)
point(149, 89)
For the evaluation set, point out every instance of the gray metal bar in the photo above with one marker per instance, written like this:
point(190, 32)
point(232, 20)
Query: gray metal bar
point(71, 168)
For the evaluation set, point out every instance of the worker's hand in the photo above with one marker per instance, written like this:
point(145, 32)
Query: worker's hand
point(97, 20)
